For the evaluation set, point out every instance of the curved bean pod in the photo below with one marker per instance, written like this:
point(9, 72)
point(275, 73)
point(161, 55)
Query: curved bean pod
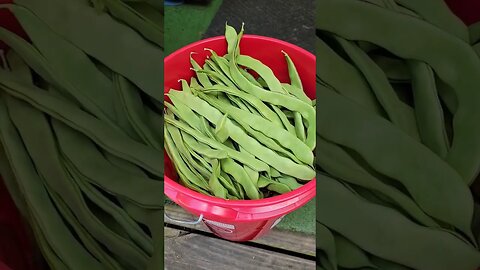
point(474, 31)
point(111, 139)
point(184, 112)
point(272, 185)
point(202, 77)
point(186, 175)
point(476, 48)
point(268, 142)
point(336, 161)
point(400, 114)
point(254, 175)
point(388, 265)
point(286, 123)
point(56, 178)
point(350, 255)
point(178, 152)
point(283, 137)
point(272, 97)
point(263, 70)
point(34, 59)
point(295, 80)
point(237, 190)
point(452, 59)
point(220, 62)
point(250, 77)
point(297, 92)
point(82, 153)
point(439, 14)
point(296, 89)
point(387, 234)
point(254, 164)
point(120, 216)
point(215, 186)
point(49, 223)
point(278, 99)
point(87, 239)
point(299, 126)
point(428, 109)
point(258, 104)
point(390, 3)
point(203, 149)
point(241, 177)
point(450, 201)
point(333, 70)
point(395, 69)
point(90, 86)
point(104, 38)
point(240, 104)
point(289, 181)
point(221, 130)
point(194, 83)
point(231, 37)
point(291, 103)
point(136, 113)
point(137, 21)
point(216, 76)
point(265, 154)
point(223, 178)
point(198, 170)
point(216, 71)
point(326, 243)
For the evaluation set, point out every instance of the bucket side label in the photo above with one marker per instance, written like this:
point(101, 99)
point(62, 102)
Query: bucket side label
point(220, 224)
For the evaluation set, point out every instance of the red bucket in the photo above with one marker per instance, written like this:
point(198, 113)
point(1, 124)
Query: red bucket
point(8, 21)
point(239, 220)
point(16, 250)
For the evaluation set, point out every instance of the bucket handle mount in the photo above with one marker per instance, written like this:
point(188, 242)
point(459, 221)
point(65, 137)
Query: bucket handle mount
point(184, 222)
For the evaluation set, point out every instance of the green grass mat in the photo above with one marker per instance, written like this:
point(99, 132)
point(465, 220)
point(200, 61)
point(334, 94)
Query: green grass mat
point(301, 220)
point(186, 23)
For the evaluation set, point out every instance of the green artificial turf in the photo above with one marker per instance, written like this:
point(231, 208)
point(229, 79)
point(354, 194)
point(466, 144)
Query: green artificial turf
point(187, 23)
point(301, 220)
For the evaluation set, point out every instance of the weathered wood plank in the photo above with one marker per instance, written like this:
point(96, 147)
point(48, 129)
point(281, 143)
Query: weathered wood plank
point(193, 251)
point(291, 241)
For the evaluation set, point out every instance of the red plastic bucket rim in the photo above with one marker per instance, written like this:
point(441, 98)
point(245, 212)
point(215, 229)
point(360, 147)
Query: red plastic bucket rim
point(239, 203)
point(171, 185)
point(246, 36)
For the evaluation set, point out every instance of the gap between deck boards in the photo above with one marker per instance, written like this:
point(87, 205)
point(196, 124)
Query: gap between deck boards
point(287, 242)
point(185, 250)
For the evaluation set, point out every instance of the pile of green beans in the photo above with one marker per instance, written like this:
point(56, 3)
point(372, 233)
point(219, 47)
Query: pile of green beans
point(398, 138)
point(81, 130)
point(234, 136)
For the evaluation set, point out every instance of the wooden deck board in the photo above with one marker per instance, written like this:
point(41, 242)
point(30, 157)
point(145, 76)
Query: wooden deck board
point(185, 250)
point(286, 240)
